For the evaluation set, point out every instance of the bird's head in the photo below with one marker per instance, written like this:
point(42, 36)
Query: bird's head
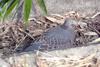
point(69, 23)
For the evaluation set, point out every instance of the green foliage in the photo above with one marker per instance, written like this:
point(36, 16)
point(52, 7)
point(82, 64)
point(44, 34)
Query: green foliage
point(27, 9)
point(7, 8)
point(9, 5)
point(3, 11)
point(42, 6)
point(3, 2)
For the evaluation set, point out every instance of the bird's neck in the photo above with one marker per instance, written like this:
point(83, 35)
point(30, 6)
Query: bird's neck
point(64, 27)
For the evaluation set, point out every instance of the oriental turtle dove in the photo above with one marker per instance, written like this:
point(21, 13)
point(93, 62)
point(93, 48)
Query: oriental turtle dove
point(59, 37)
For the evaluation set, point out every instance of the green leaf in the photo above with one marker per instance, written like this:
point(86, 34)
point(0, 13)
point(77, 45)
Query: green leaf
point(0, 15)
point(42, 6)
point(3, 2)
point(27, 9)
point(2, 12)
point(11, 6)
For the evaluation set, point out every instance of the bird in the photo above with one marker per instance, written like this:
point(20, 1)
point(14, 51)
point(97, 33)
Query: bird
point(56, 38)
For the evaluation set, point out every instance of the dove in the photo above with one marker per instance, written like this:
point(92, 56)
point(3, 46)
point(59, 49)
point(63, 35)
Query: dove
point(56, 38)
